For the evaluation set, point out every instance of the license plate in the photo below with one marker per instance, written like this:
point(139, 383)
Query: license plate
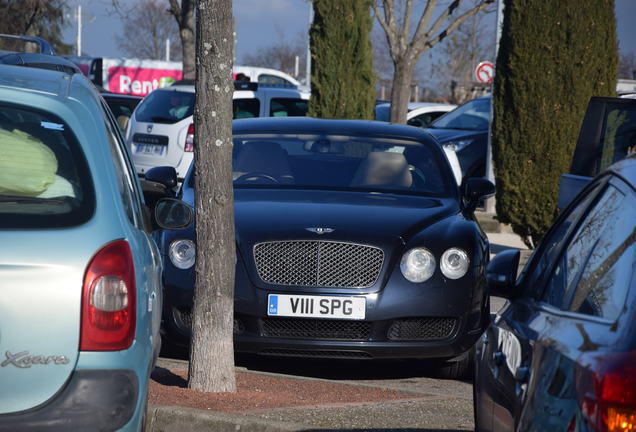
point(151, 149)
point(316, 306)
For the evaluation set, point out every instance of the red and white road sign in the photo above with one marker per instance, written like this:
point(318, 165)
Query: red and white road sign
point(485, 72)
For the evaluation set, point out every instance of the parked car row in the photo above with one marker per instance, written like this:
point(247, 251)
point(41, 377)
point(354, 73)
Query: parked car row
point(161, 131)
point(355, 240)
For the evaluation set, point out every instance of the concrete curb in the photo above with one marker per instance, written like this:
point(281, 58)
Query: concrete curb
point(173, 418)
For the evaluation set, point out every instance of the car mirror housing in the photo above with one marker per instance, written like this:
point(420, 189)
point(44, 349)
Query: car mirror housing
point(172, 213)
point(501, 273)
point(165, 175)
point(476, 189)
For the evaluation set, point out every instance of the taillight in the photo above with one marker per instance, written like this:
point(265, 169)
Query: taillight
point(612, 407)
point(189, 141)
point(108, 300)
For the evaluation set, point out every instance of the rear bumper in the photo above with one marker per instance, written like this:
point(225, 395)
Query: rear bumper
point(92, 400)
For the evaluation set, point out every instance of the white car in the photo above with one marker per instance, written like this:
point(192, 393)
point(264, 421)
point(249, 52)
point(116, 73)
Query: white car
point(266, 75)
point(420, 114)
point(161, 130)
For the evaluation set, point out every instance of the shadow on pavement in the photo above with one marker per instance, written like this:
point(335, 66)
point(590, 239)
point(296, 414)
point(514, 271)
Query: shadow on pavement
point(331, 369)
point(165, 377)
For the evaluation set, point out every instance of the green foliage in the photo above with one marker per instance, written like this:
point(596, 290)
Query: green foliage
point(342, 79)
point(553, 56)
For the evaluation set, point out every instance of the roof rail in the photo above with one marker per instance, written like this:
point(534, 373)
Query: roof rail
point(183, 82)
point(278, 85)
point(41, 61)
point(45, 47)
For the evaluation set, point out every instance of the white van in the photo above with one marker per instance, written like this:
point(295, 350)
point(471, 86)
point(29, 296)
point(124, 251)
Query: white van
point(161, 130)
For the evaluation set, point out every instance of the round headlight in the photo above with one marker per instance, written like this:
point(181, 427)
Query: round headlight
point(182, 253)
point(454, 263)
point(418, 265)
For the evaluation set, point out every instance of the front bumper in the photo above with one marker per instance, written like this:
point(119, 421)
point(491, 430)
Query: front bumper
point(378, 346)
point(405, 325)
point(92, 400)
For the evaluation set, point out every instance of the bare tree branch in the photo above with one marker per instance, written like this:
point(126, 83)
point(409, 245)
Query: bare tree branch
point(439, 21)
point(406, 50)
point(175, 9)
point(390, 31)
point(406, 26)
point(420, 31)
point(440, 37)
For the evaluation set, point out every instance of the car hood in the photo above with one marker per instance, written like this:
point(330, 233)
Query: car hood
point(367, 218)
point(446, 135)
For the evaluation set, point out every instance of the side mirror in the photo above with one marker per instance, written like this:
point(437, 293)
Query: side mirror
point(165, 175)
point(501, 273)
point(476, 189)
point(172, 213)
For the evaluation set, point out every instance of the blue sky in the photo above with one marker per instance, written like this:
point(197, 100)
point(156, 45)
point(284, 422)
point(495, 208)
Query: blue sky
point(260, 23)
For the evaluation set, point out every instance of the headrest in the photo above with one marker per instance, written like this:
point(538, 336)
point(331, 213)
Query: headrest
point(383, 169)
point(263, 156)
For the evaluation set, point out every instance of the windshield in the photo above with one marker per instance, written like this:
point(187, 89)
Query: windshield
point(339, 162)
point(473, 115)
point(44, 178)
point(165, 106)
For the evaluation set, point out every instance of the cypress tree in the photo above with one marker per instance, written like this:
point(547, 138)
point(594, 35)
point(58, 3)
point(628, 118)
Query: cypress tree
point(553, 56)
point(342, 79)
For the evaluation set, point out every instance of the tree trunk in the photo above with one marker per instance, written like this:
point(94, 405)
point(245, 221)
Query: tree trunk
point(186, 31)
point(211, 351)
point(401, 92)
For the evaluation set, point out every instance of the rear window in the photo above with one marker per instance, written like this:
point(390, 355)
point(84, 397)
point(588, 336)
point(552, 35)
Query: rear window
point(165, 106)
point(44, 177)
point(288, 107)
point(245, 108)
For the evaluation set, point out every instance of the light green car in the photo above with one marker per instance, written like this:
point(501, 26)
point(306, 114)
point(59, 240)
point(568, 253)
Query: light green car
point(80, 276)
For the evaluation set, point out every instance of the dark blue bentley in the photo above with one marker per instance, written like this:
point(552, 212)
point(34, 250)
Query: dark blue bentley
point(353, 241)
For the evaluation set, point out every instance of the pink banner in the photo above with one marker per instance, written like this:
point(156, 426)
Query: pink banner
point(139, 80)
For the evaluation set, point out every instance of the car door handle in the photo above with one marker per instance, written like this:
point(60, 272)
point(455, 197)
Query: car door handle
point(522, 373)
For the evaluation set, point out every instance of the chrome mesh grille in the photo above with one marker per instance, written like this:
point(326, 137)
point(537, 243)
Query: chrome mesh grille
point(317, 329)
point(318, 263)
point(422, 329)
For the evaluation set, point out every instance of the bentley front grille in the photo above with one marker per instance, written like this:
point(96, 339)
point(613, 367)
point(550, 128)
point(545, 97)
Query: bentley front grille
point(318, 263)
point(317, 329)
point(421, 329)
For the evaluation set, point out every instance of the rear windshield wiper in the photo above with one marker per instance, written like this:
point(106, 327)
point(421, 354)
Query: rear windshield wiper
point(23, 199)
point(160, 119)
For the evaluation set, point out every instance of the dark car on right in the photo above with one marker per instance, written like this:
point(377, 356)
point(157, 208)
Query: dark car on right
point(465, 130)
point(561, 354)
